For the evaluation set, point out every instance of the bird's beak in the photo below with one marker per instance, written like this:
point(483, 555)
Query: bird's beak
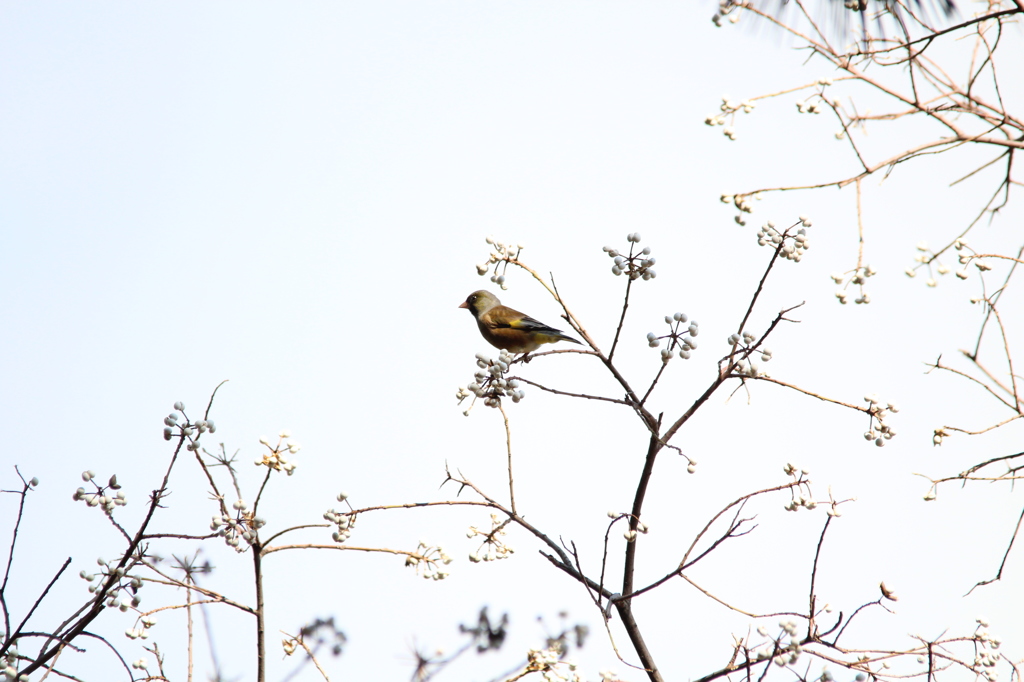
point(463, 305)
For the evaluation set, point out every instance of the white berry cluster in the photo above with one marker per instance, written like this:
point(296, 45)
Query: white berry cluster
point(499, 258)
point(987, 654)
point(188, 430)
point(727, 8)
point(428, 560)
point(810, 105)
point(141, 664)
point(637, 264)
point(244, 526)
point(857, 277)
point(609, 676)
point(548, 661)
point(681, 333)
point(745, 345)
point(727, 112)
point(109, 496)
point(492, 548)
point(121, 590)
point(966, 256)
point(800, 494)
point(489, 382)
point(345, 521)
point(791, 245)
point(277, 458)
point(10, 671)
point(146, 622)
point(938, 435)
point(783, 648)
point(926, 257)
point(742, 204)
point(631, 535)
point(879, 429)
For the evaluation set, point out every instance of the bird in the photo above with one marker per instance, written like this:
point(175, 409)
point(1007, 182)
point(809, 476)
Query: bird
point(509, 329)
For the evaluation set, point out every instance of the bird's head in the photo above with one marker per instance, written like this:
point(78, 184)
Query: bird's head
point(479, 302)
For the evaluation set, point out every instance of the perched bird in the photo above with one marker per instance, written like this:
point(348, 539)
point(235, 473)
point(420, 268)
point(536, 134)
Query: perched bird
point(509, 329)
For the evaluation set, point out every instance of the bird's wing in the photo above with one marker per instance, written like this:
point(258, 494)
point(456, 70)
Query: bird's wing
point(503, 317)
point(532, 326)
point(528, 324)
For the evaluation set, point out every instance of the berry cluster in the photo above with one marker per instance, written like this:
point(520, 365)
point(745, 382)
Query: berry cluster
point(728, 110)
point(244, 526)
point(858, 277)
point(549, 661)
point(109, 496)
point(800, 494)
point(490, 383)
point(745, 344)
point(141, 632)
point(492, 548)
point(428, 560)
point(966, 256)
point(502, 255)
point(987, 655)
point(792, 245)
point(680, 336)
point(879, 429)
point(742, 203)
point(784, 648)
point(188, 430)
point(120, 589)
point(636, 264)
point(727, 8)
point(345, 521)
point(630, 535)
point(809, 106)
point(277, 459)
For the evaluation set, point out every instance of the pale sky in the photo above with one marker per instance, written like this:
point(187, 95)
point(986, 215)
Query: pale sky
point(294, 197)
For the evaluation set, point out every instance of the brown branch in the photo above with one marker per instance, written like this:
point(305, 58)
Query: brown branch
point(570, 394)
point(987, 428)
point(508, 448)
point(812, 597)
point(810, 393)
point(1006, 555)
point(625, 307)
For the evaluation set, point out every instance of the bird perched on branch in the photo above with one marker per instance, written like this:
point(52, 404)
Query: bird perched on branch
point(509, 329)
